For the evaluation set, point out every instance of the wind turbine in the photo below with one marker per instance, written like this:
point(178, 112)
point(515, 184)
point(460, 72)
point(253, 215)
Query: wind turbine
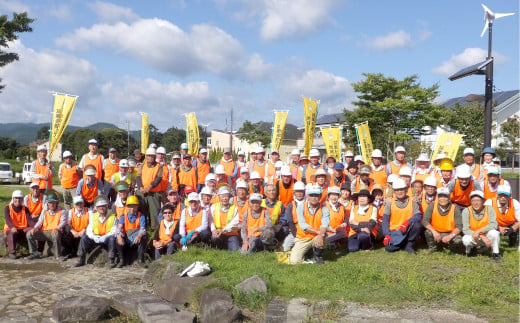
point(489, 16)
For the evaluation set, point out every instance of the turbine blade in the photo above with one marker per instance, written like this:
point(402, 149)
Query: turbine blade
point(485, 28)
point(500, 15)
point(486, 10)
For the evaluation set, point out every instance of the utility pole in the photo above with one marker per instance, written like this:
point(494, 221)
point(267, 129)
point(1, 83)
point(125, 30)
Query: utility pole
point(231, 132)
point(128, 136)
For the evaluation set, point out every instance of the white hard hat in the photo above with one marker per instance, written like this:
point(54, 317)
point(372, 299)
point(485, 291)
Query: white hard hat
point(255, 197)
point(241, 184)
point(224, 190)
point(193, 197)
point(123, 163)
point(504, 189)
point(314, 189)
point(391, 178)
point(90, 171)
point(161, 150)
point(92, 142)
point(241, 153)
point(423, 157)
point(150, 151)
point(399, 149)
point(399, 184)
point(278, 164)
point(299, 186)
point(463, 171)
point(41, 148)
point(255, 175)
point(431, 181)
point(206, 191)
point(286, 170)
point(66, 154)
point(443, 191)
point(377, 153)
point(220, 169)
point(210, 177)
point(17, 193)
point(153, 145)
point(477, 193)
point(470, 151)
point(260, 150)
point(295, 151)
point(314, 153)
point(349, 153)
point(358, 158)
point(334, 190)
point(405, 171)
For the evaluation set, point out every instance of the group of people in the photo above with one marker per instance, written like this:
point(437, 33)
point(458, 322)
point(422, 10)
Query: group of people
point(251, 204)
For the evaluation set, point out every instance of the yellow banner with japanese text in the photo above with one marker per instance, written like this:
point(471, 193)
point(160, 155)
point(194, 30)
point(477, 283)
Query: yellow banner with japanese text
point(145, 132)
point(62, 111)
point(332, 141)
point(192, 134)
point(280, 120)
point(365, 142)
point(448, 143)
point(310, 112)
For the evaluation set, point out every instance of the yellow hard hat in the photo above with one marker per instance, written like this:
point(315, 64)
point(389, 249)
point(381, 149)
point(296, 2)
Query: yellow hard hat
point(446, 164)
point(132, 200)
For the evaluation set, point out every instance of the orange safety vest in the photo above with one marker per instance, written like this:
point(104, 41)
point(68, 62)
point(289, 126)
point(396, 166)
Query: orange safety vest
point(336, 217)
point(174, 183)
point(424, 203)
point(313, 220)
point(274, 211)
point(259, 189)
point(164, 182)
point(96, 163)
point(358, 184)
point(202, 171)
point(380, 213)
point(379, 176)
point(193, 222)
point(89, 194)
point(69, 176)
point(188, 177)
point(487, 192)
point(79, 223)
point(271, 170)
point(363, 218)
point(461, 196)
point(111, 169)
point(309, 171)
point(504, 220)
point(35, 208)
point(259, 169)
point(332, 181)
point(324, 194)
point(421, 177)
point(229, 166)
point(148, 175)
point(18, 219)
point(294, 169)
point(286, 195)
point(395, 169)
point(399, 215)
point(51, 222)
point(253, 223)
point(162, 231)
point(129, 225)
point(241, 210)
point(221, 219)
point(476, 171)
point(475, 224)
point(120, 210)
point(99, 228)
point(443, 223)
point(44, 171)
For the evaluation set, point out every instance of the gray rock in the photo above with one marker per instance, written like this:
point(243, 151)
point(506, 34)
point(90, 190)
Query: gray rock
point(173, 268)
point(97, 256)
point(252, 284)
point(297, 310)
point(3, 240)
point(276, 311)
point(80, 308)
point(216, 305)
point(123, 303)
point(163, 312)
point(179, 289)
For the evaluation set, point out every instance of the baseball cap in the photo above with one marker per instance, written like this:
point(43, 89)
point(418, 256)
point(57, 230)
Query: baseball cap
point(468, 150)
point(92, 142)
point(34, 185)
point(150, 151)
point(203, 151)
point(112, 150)
point(255, 197)
point(339, 166)
point(399, 149)
point(244, 170)
point(77, 199)
point(193, 197)
point(66, 154)
point(477, 193)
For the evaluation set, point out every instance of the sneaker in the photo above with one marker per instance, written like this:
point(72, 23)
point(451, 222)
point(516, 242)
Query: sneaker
point(318, 260)
point(184, 248)
point(471, 253)
point(496, 257)
point(142, 264)
point(12, 256)
point(33, 256)
point(81, 261)
point(120, 264)
point(410, 250)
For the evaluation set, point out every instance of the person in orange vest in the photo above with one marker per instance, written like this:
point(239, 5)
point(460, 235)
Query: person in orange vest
point(395, 165)
point(48, 229)
point(422, 168)
point(429, 193)
point(94, 158)
point(119, 205)
point(290, 215)
point(443, 223)
point(77, 222)
point(241, 159)
point(101, 231)
point(462, 186)
point(276, 210)
point(304, 161)
point(173, 169)
point(258, 165)
point(378, 201)
point(69, 177)
point(241, 200)
point(34, 201)
point(255, 184)
point(311, 229)
point(321, 178)
point(110, 166)
point(244, 175)
point(294, 164)
point(257, 228)
point(389, 192)
point(193, 225)
point(131, 231)
point(173, 199)
point(337, 231)
point(363, 179)
point(363, 223)
point(401, 220)
point(149, 178)
point(163, 240)
point(479, 225)
point(348, 157)
point(89, 187)
point(312, 167)
point(378, 172)
point(18, 222)
point(338, 176)
point(492, 181)
point(507, 210)
point(345, 197)
point(187, 174)
point(221, 177)
point(352, 170)
point(230, 166)
point(42, 169)
point(284, 187)
point(445, 173)
point(224, 223)
point(203, 168)
point(475, 169)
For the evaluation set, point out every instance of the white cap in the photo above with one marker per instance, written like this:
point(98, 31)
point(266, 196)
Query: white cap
point(150, 151)
point(206, 191)
point(423, 157)
point(443, 191)
point(405, 171)
point(314, 153)
point(224, 190)
point(493, 170)
point(255, 175)
point(90, 171)
point(193, 197)
point(161, 150)
point(66, 154)
point(34, 185)
point(41, 148)
point(220, 169)
point(286, 170)
point(334, 190)
point(203, 151)
point(255, 197)
point(377, 153)
point(299, 186)
point(176, 156)
point(92, 142)
point(399, 184)
point(131, 163)
point(274, 151)
point(391, 178)
point(358, 158)
point(278, 164)
point(431, 181)
point(463, 171)
point(184, 145)
point(244, 170)
point(101, 200)
point(504, 189)
point(399, 149)
point(17, 193)
point(210, 177)
point(241, 184)
point(469, 151)
point(77, 199)
point(348, 153)
point(260, 150)
point(477, 193)
point(313, 189)
point(241, 153)
point(153, 145)
point(295, 151)
point(123, 163)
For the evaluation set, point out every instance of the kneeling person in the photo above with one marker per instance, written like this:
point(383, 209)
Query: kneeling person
point(224, 224)
point(163, 239)
point(131, 231)
point(257, 229)
point(193, 225)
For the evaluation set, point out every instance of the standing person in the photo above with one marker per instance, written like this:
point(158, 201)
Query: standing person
point(475, 169)
point(352, 170)
point(311, 229)
point(312, 167)
point(34, 201)
point(284, 188)
point(348, 157)
point(255, 184)
point(149, 176)
point(244, 176)
point(18, 222)
point(111, 167)
point(94, 158)
point(304, 161)
point(270, 173)
point(230, 166)
point(173, 170)
point(193, 225)
point(479, 225)
point(48, 229)
point(446, 173)
point(138, 157)
point(69, 177)
point(395, 165)
point(491, 182)
point(224, 224)
point(203, 168)
point(89, 187)
point(363, 223)
point(187, 174)
point(184, 149)
point(290, 215)
point(294, 164)
point(131, 231)
point(422, 168)
point(401, 220)
point(163, 239)
point(257, 227)
point(507, 210)
point(488, 154)
point(42, 169)
point(338, 176)
point(461, 187)
point(242, 162)
point(259, 165)
point(378, 173)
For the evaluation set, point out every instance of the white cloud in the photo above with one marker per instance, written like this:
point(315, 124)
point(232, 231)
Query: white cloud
point(396, 39)
point(109, 12)
point(61, 12)
point(9, 6)
point(467, 58)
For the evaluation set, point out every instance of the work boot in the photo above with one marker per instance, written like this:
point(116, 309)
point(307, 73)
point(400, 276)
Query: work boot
point(111, 263)
point(513, 240)
point(81, 261)
point(317, 256)
point(410, 248)
point(496, 257)
point(33, 256)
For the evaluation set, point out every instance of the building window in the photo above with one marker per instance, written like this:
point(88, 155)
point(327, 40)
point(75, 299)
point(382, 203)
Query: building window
point(208, 142)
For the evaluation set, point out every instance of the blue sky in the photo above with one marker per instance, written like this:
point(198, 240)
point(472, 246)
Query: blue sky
point(172, 57)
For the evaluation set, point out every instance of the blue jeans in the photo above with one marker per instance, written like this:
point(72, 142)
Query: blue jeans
point(232, 242)
point(168, 250)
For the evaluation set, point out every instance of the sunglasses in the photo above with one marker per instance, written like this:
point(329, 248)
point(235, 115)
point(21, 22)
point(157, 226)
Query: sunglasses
point(167, 212)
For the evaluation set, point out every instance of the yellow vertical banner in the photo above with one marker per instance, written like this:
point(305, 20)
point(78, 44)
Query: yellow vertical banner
point(310, 111)
point(365, 142)
point(448, 143)
point(332, 141)
point(192, 134)
point(145, 131)
point(280, 120)
point(61, 113)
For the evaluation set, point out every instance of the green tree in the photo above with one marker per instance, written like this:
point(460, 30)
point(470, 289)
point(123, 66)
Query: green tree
point(396, 110)
point(173, 138)
point(469, 121)
point(77, 141)
point(43, 133)
point(254, 132)
point(116, 138)
point(9, 30)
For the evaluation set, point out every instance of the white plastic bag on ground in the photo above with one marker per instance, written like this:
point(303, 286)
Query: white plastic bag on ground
point(198, 268)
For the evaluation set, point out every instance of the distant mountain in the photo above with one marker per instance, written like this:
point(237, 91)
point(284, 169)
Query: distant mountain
point(24, 133)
